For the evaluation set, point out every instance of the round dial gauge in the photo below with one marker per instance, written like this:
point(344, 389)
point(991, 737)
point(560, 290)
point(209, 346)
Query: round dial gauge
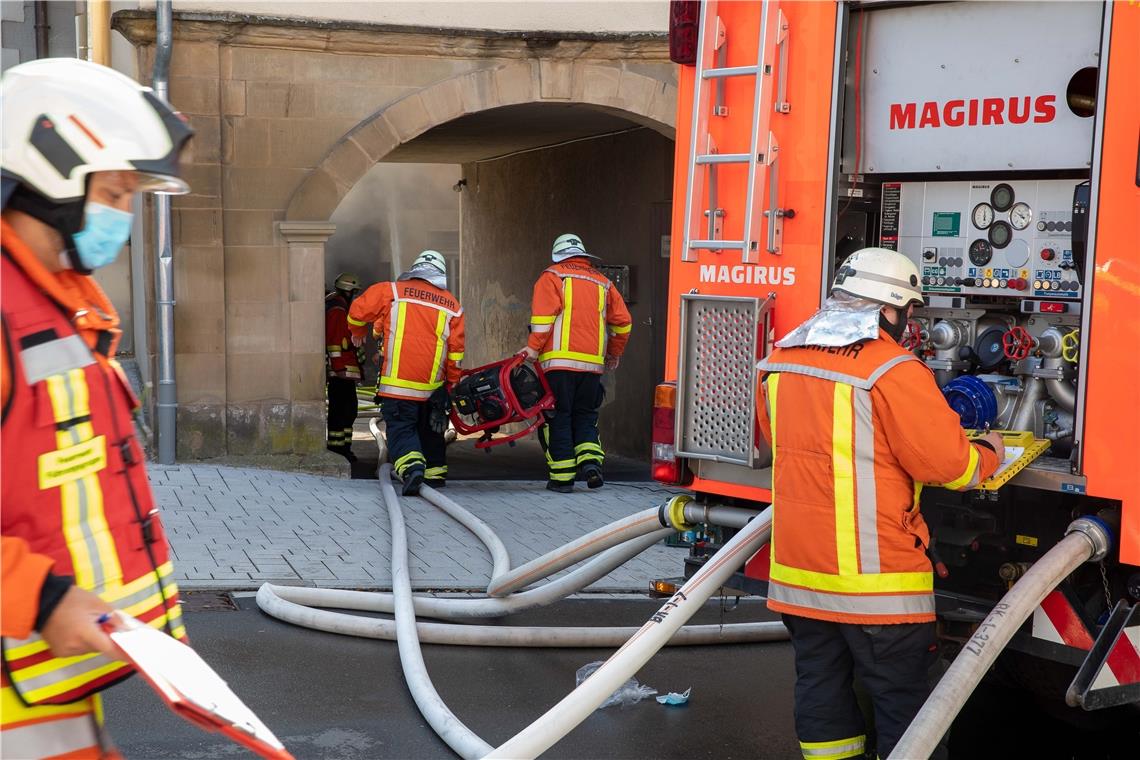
point(981, 252)
point(983, 215)
point(1000, 234)
point(1001, 197)
point(1020, 216)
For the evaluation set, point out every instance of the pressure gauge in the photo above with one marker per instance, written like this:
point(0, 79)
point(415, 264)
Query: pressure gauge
point(1001, 197)
point(1000, 234)
point(983, 215)
point(1020, 216)
point(981, 252)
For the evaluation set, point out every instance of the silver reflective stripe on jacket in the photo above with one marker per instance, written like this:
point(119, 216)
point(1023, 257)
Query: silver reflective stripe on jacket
point(839, 377)
point(55, 357)
point(853, 604)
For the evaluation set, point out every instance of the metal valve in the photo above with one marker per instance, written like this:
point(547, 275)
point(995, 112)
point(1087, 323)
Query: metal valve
point(1017, 343)
point(1071, 346)
point(912, 337)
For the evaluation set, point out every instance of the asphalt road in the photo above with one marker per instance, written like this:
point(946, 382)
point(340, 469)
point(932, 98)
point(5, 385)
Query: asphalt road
point(329, 696)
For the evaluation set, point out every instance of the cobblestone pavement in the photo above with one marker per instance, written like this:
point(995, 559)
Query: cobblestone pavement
point(233, 529)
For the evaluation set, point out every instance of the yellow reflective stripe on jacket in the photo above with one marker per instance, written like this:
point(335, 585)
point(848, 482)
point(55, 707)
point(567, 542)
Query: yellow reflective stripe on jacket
point(88, 536)
point(398, 343)
point(543, 324)
point(11, 709)
point(396, 382)
point(601, 320)
point(865, 583)
point(440, 342)
point(843, 471)
point(620, 329)
point(455, 356)
point(966, 477)
point(355, 322)
point(567, 311)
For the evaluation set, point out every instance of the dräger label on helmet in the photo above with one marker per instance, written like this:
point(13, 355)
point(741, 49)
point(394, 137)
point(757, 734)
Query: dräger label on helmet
point(748, 274)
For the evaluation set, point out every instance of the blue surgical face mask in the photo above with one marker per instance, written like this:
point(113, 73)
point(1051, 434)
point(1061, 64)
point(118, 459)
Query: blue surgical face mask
point(105, 232)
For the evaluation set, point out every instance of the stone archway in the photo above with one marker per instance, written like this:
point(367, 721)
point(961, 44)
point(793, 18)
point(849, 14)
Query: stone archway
point(642, 99)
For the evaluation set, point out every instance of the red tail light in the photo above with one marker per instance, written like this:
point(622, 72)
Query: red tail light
point(684, 30)
point(666, 467)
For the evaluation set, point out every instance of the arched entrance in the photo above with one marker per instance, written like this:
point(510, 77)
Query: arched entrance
point(530, 168)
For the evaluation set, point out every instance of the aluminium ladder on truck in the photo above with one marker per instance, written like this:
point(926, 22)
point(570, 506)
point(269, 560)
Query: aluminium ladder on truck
point(704, 157)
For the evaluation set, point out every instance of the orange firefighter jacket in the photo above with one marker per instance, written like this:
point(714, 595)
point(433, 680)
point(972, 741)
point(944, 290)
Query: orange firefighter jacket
point(577, 318)
point(855, 431)
point(422, 332)
point(75, 498)
point(342, 357)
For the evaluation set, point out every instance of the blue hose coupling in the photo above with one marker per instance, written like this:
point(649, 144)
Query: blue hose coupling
point(1097, 531)
point(672, 513)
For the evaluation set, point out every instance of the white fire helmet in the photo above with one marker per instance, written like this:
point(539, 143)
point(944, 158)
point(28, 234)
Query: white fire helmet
point(64, 119)
point(880, 275)
point(347, 281)
point(431, 258)
point(567, 247)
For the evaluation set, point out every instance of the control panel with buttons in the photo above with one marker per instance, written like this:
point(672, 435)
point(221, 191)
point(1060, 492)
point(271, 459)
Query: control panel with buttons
point(987, 237)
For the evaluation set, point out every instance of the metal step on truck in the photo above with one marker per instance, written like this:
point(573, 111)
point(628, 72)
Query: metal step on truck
point(994, 144)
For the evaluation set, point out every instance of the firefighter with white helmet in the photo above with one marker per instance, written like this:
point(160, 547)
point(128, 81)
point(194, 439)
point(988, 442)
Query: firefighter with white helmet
point(342, 365)
point(81, 535)
point(420, 326)
point(579, 327)
point(848, 568)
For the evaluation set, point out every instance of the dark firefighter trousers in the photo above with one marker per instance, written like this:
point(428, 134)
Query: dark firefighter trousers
point(342, 412)
point(570, 435)
point(891, 663)
point(412, 442)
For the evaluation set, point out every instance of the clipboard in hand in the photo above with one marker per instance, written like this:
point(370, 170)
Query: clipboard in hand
point(190, 687)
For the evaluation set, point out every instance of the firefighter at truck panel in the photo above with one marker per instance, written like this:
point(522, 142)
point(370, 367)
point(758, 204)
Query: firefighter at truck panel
point(81, 535)
point(343, 365)
point(579, 326)
point(857, 424)
point(420, 327)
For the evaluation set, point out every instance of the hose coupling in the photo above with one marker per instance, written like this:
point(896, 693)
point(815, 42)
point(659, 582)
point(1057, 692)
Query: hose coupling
point(1097, 531)
point(672, 513)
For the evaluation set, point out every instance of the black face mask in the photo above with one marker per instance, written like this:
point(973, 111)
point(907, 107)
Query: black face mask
point(65, 218)
point(896, 331)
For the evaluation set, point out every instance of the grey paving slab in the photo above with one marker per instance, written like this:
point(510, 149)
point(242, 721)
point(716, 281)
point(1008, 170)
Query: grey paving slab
point(232, 529)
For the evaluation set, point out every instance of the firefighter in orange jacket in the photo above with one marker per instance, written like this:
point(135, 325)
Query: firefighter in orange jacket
point(342, 365)
point(420, 327)
point(579, 326)
point(857, 425)
point(81, 536)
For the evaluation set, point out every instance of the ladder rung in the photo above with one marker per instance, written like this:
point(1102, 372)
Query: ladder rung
point(731, 71)
point(724, 158)
point(717, 245)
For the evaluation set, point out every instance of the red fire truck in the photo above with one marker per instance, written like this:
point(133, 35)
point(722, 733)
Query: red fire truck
point(995, 144)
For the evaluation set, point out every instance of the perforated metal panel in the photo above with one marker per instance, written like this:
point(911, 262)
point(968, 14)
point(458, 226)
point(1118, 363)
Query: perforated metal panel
point(716, 378)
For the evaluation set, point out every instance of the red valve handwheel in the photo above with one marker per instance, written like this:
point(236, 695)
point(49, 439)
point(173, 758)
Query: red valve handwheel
point(1017, 343)
point(912, 338)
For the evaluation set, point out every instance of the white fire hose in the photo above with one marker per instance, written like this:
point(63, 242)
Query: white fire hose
point(1088, 539)
point(561, 719)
